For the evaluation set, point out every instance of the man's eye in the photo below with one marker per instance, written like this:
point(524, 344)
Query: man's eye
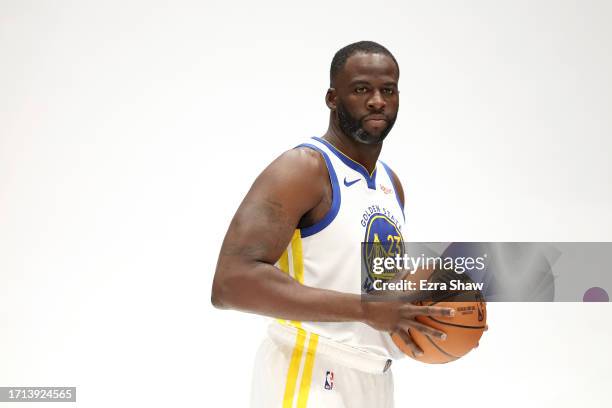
point(388, 91)
point(361, 89)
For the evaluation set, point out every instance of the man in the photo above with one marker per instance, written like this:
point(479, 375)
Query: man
point(293, 249)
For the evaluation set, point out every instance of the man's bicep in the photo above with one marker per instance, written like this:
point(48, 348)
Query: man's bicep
point(259, 231)
point(271, 210)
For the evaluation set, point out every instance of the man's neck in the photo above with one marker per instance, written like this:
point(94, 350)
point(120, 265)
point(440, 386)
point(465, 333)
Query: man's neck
point(364, 154)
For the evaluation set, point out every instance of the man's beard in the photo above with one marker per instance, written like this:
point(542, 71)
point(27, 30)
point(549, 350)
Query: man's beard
point(352, 127)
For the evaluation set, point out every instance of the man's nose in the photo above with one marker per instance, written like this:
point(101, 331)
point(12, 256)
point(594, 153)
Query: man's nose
point(376, 102)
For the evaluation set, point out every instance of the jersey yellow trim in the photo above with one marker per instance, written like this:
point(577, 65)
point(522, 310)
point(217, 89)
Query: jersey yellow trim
point(283, 262)
point(283, 265)
point(294, 368)
point(298, 257)
point(307, 372)
point(297, 263)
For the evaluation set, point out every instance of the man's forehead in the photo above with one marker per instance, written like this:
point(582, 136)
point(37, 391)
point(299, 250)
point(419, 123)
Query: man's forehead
point(364, 66)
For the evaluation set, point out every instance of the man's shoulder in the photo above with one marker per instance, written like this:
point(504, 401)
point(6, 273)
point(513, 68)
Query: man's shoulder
point(303, 159)
point(301, 170)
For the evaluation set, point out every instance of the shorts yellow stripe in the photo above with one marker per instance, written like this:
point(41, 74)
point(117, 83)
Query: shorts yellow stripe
point(307, 372)
point(294, 368)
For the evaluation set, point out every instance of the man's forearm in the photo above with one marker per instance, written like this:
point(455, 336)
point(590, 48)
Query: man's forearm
point(263, 289)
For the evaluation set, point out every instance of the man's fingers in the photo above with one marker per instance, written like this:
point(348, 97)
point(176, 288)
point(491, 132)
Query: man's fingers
point(431, 311)
point(416, 350)
point(423, 328)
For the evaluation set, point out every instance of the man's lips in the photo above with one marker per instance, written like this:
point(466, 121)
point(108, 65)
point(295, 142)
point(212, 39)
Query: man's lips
point(376, 117)
point(376, 120)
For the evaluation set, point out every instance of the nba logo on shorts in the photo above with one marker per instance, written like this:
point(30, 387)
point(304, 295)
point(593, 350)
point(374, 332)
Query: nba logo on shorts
point(329, 380)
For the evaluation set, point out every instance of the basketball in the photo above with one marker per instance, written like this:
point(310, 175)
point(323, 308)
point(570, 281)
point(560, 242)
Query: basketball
point(463, 331)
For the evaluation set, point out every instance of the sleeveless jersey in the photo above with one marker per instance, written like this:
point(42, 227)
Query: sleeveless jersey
point(365, 208)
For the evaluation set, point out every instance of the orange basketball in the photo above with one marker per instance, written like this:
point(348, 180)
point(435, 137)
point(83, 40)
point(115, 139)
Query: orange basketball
point(463, 332)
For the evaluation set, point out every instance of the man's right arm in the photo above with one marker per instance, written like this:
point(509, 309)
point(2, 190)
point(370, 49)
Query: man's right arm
point(246, 278)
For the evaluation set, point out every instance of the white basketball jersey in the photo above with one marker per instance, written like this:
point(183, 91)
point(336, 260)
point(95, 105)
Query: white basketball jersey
point(327, 255)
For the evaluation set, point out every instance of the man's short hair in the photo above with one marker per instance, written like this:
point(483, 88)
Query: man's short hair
point(343, 54)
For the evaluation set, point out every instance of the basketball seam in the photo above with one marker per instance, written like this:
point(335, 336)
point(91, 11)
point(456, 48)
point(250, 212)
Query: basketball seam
point(455, 324)
point(440, 349)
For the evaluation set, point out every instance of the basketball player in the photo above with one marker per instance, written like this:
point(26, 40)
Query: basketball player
point(293, 250)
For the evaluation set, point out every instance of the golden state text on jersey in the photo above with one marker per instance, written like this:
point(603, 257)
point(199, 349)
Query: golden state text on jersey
point(383, 239)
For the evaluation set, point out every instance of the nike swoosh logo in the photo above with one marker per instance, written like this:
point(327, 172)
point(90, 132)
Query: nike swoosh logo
point(350, 183)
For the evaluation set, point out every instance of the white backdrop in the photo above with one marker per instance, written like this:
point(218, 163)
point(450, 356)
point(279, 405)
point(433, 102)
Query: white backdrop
point(130, 130)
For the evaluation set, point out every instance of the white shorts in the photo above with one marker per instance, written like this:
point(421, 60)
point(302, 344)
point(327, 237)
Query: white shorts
point(294, 368)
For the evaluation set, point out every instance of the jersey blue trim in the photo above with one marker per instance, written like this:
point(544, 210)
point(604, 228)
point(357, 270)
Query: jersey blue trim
point(390, 173)
point(335, 207)
point(370, 180)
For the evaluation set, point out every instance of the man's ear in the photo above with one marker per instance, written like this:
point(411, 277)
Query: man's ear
point(330, 98)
